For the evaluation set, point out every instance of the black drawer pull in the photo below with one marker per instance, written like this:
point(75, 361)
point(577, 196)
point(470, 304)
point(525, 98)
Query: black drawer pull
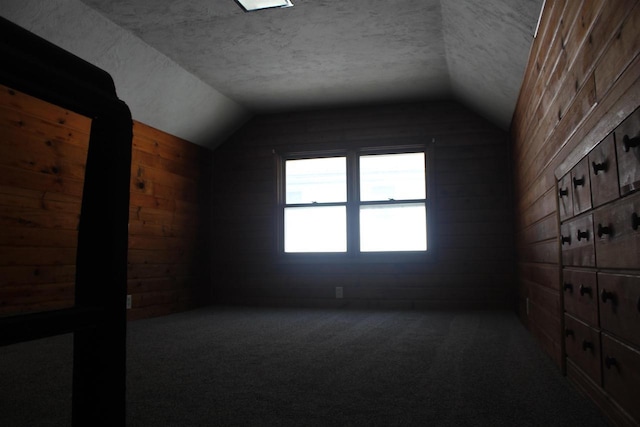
point(563, 192)
point(566, 239)
point(583, 234)
point(568, 287)
point(587, 345)
point(628, 143)
point(635, 221)
point(585, 290)
point(568, 333)
point(610, 361)
point(578, 182)
point(603, 230)
point(597, 167)
point(606, 296)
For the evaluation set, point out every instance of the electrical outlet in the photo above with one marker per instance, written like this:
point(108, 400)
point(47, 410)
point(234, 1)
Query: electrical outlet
point(128, 302)
point(339, 292)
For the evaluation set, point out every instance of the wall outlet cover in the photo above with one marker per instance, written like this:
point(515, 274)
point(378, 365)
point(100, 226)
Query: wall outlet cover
point(339, 292)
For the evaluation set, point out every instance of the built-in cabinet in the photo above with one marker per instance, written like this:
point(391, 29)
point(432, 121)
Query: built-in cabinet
point(599, 209)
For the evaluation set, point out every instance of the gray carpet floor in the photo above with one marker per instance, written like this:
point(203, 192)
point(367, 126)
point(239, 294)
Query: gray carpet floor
point(241, 366)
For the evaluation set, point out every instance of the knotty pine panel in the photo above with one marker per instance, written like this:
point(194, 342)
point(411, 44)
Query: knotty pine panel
point(169, 223)
point(472, 233)
point(568, 103)
point(42, 160)
point(43, 151)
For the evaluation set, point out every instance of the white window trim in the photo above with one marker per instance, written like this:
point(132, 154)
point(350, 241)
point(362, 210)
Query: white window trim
point(353, 205)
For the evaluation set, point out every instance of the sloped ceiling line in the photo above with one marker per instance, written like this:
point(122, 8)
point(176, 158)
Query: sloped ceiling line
point(197, 69)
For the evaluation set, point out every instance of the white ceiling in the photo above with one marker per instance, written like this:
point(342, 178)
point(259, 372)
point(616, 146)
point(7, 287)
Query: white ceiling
point(318, 53)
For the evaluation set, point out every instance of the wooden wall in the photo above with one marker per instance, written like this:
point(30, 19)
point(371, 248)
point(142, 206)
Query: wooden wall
point(582, 80)
point(169, 224)
point(471, 236)
point(43, 151)
point(42, 156)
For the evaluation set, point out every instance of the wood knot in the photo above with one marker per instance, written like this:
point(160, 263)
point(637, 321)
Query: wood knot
point(141, 185)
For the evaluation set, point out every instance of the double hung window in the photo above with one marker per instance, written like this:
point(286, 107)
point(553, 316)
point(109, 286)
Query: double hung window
point(354, 202)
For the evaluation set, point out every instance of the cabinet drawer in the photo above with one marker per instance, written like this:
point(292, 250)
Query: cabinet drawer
point(627, 137)
point(565, 197)
point(603, 171)
point(581, 185)
point(617, 228)
point(581, 295)
point(621, 374)
point(577, 242)
point(620, 305)
point(582, 344)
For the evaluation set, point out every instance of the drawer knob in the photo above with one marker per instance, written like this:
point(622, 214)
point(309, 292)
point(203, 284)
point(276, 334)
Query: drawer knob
point(628, 143)
point(603, 230)
point(583, 235)
point(577, 182)
point(606, 296)
point(585, 290)
point(635, 221)
point(566, 239)
point(586, 345)
point(568, 287)
point(563, 192)
point(568, 333)
point(597, 167)
point(610, 361)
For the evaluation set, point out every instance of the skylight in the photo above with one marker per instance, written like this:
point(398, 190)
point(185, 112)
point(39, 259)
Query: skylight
point(251, 5)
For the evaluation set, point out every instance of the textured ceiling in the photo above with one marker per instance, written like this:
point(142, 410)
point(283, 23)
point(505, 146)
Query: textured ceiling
point(329, 52)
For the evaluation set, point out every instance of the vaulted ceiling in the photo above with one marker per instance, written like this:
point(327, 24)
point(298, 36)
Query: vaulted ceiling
point(317, 54)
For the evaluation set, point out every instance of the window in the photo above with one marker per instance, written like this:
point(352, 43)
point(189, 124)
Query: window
point(354, 202)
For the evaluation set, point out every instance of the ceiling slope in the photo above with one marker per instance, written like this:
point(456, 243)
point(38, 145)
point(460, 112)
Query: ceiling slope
point(319, 53)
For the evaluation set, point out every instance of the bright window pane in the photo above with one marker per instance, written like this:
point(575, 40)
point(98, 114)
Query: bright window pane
point(316, 180)
point(315, 229)
point(398, 227)
point(392, 177)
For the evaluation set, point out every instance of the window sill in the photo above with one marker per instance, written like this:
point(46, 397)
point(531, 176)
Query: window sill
point(360, 258)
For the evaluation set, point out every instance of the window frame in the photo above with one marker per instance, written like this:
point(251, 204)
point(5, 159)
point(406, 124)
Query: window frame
point(353, 204)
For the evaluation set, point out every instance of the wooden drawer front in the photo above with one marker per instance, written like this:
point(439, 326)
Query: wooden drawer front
point(627, 137)
point(582, 345)
point(603, 170)
point(617, 228)
point(581, 295)
point(620, 305)
point(577, 242)
point(581, 187)
point(621, 374)
point(565, 197)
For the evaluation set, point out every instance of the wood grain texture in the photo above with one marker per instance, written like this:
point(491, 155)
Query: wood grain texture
point(582, 79)
point(43, 151)
point(42, 159)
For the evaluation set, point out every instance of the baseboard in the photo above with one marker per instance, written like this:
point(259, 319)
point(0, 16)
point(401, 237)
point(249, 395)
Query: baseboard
point(356, 303)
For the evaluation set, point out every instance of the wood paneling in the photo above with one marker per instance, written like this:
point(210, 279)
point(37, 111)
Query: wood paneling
point(471, 236)
point(42, 158)
point(581, 80)
point(43, 151)
point(169, 225)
